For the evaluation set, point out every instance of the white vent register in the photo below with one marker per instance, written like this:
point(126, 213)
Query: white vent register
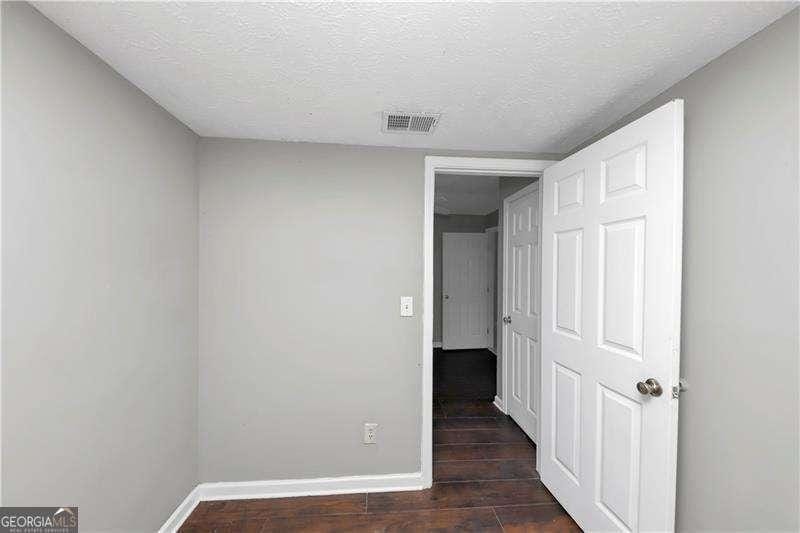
point(399, 122)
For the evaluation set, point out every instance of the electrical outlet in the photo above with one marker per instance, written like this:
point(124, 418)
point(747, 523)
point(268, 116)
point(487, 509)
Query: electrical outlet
point(406, 306)
point(370, 433)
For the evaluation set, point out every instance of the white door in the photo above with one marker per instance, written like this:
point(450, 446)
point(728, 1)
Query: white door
point(611, 265)
point(465, 313)
point(522, 307)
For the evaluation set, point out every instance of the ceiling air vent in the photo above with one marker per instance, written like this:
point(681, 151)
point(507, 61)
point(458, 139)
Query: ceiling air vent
point(409, 122)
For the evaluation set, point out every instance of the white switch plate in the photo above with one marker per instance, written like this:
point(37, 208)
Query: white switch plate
point(370, 433)
point(406, 306)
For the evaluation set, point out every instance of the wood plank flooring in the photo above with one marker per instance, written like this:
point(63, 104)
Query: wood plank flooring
point(484, 480)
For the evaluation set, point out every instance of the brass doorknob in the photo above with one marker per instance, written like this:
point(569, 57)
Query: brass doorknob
point(649, 387)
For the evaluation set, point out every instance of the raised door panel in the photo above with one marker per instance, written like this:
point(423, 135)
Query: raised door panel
point(623, 174)
point(617, 466)
point(621, 275)
point(568, 193)
point(533, 369)
point(566, 421)
point(568, 281)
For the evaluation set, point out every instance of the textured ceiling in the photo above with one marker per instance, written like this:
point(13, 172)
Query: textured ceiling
point(538, 77)
point(458, 194)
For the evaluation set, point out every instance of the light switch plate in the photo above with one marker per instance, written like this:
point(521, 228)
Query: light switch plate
point(406, 306)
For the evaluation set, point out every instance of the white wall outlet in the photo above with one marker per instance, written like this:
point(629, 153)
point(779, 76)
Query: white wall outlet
point(406, 306)
point(370, 433)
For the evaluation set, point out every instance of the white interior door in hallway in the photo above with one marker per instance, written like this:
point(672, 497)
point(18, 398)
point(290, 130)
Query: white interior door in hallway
point(611, 265)
point(465, 305)
point(521, 319)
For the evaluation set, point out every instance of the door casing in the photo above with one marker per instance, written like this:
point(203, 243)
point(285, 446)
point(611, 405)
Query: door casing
point(450, 165)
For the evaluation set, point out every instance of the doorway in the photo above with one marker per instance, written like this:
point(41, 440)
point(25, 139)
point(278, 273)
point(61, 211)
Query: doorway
point(525, 170)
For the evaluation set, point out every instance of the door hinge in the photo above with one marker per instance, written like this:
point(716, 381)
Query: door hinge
point(682, 386)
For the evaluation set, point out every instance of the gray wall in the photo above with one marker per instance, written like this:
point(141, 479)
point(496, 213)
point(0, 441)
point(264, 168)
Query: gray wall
point(305, 250)
point(738, 443)
point(448, 224)
point(99, 262)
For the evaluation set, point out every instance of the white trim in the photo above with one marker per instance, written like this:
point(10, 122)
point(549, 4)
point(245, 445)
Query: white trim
point(499, 404)
point(491, 349)
point(493, 229)
point(437, 344)
point(449, 165)
point(283, 488)
point(182, 512)
point(1, 289)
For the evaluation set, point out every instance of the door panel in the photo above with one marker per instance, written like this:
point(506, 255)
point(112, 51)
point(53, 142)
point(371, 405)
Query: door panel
point(522, 220)
point(621, 274)
point(465, 283)
point(611, 261)
point(567, 424)
point(618, 446)
point(568, 282)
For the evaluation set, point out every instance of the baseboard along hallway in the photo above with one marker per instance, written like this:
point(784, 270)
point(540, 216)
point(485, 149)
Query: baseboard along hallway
point(484, 475)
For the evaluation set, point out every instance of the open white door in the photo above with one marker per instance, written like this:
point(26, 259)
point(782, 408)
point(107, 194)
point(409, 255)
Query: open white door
point(465, 309)
point(522, 224)
point(611, 266)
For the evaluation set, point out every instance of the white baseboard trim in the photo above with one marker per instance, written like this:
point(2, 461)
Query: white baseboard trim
point(437, 344)
point(499, 404)
point(309, 487)
point(281, 488)
point(182, 512)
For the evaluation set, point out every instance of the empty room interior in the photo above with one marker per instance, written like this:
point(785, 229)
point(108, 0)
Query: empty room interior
point(399, 266)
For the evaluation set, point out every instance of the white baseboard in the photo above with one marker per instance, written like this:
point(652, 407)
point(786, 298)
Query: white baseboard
point(180, 514)
point(437, 344)
point(499, 404)
point(309, 487)
point(281, 488)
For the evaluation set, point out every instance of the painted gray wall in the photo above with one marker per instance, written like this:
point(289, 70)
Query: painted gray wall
point(738, 442)
point(99, 263)
point(305, 250)
point(448, 224)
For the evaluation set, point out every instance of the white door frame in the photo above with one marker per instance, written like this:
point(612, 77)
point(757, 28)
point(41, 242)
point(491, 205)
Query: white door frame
point(492, 282)
point(450, 165)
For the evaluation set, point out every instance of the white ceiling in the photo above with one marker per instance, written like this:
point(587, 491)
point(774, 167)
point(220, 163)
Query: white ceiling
point(536, 77)
point(466, 194)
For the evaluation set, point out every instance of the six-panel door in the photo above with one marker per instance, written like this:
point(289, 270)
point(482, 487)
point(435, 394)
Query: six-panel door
point(522, 221)
point(611, 268)
point(465, 309)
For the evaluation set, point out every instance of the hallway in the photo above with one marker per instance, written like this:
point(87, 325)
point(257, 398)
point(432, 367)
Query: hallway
point(483, 472)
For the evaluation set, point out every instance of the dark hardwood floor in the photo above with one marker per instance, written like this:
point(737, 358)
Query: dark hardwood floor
point(464, 374)
point(484, 475)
